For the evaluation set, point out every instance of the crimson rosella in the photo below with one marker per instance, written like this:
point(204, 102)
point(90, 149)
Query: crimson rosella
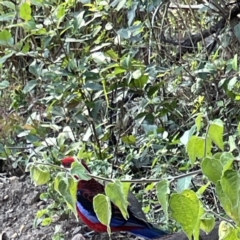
point(136, 223)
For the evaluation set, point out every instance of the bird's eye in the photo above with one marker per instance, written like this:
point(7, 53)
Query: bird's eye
point(66, 165)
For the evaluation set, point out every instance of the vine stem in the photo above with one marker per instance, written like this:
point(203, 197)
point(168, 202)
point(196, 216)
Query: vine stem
point(222, 218)
point(141, 180)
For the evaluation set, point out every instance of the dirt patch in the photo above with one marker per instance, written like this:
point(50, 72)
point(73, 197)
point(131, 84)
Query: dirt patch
point(19, 204)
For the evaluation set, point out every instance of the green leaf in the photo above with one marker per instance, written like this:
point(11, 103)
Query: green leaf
point(109, 26)
point(227, 232)
point(230, 184)
point(60, 11)
point(203, 188)
point(162, 195)
point(60, 176)
point(125, 187)
point(126, 62)
point(150, 187)
point(207, 223)
point(65, 134)
point(187, 210)
point(30, 86)
point(121, 4)
point(63, 187)
point(46, 221)
point(71, 198)
point(25, 11)
point(137, 74)
point(80, 22)
point(187, 134)
point(100, 58)
point(196, 148)
point(183, 183)
point(91, 76)
point(232, 144)
point(238, 128)
point(153, 89)
point(119, 70)
point(5, 57)
point(82, 153)
point(4, 84)
point(93, 86)
point(139, 82)
point(215, 133)
point(79, 170)
point(61, 139)
point(6, 38)
point(226, 159)
point(44, 196)
point(235, 62)
point(39, 174)
point(132, 13)
point(41, 212)
point(212, 168)
point(7, 17)
point(37, 3)
point(223, 198)
point(26, 47)
point(198, 121)
point(115, 193)
point(130, 139)
point(237, 31)
point(102, 208)
point(67, 188)
point(113, 55)
point(8, 4)
point(232, 82)
point(35, 69)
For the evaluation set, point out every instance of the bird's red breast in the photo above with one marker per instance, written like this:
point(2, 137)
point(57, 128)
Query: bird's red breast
point(136, 223)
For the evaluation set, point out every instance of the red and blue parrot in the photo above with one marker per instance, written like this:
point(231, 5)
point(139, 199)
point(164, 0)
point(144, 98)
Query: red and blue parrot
point(136, 223)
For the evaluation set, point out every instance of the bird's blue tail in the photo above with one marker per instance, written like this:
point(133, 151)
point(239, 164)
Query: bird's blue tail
point(149, 233)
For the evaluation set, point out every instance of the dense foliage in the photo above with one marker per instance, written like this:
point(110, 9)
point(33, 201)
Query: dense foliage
point(109, 82)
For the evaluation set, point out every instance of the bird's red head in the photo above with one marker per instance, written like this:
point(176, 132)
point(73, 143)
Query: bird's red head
point(67, 162)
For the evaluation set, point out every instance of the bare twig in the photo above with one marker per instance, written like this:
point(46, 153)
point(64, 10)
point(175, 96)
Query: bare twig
point(142, 180)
